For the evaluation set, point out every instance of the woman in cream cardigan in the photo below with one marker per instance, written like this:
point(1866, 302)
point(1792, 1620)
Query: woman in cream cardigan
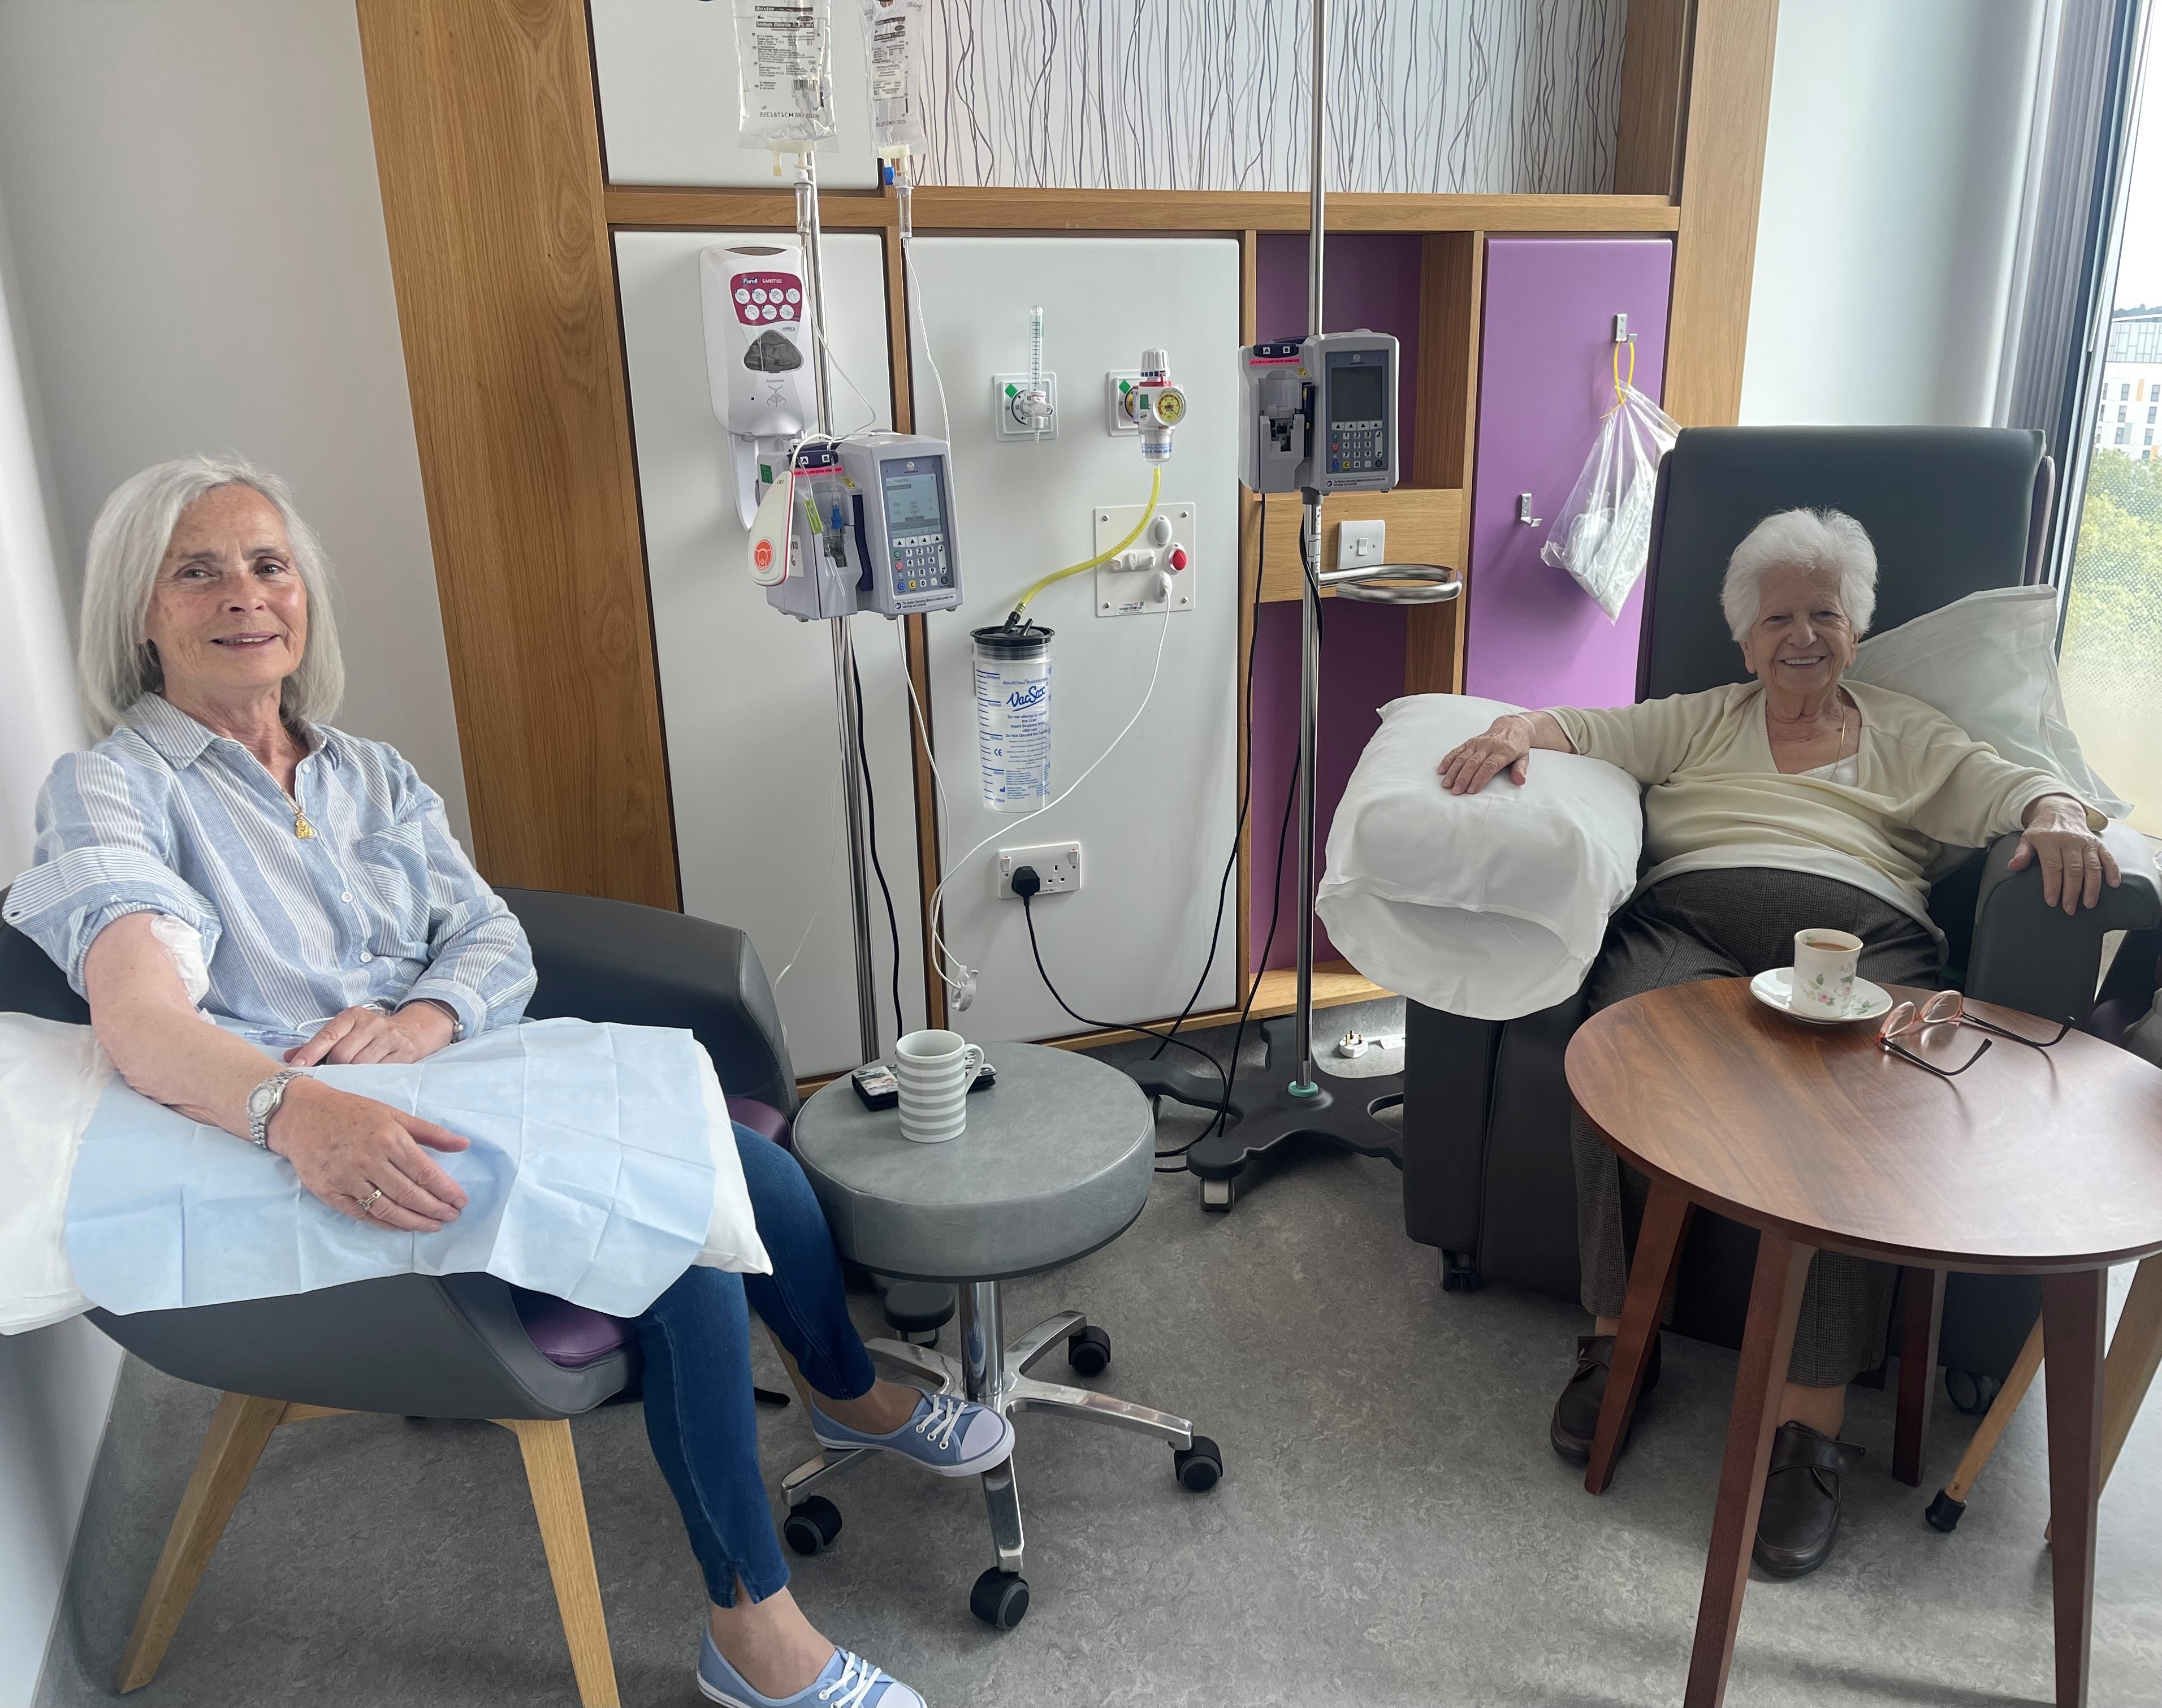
point(1789, 802)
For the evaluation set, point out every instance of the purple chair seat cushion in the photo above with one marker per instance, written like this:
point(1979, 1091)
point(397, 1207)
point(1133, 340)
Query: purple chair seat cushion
point(572, 1337)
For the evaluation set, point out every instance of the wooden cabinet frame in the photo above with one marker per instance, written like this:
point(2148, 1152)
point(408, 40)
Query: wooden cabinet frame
point(500, 223)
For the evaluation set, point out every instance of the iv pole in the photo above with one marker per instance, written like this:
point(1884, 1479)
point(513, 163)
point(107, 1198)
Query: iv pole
point(1332, 1109)
point(808, 230)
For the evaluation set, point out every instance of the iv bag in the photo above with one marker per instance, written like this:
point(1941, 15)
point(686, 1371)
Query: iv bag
point(896, 36)
point(784, 68)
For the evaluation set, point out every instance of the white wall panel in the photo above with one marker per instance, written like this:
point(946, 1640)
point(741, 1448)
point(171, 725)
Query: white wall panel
point(1893, 161)
point(1156, 821)
point(668, 100)
point(747, 694)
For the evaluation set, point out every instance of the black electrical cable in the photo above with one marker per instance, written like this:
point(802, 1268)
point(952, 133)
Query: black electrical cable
point(1028, 912)
point(870, 818)
point(1245, 800)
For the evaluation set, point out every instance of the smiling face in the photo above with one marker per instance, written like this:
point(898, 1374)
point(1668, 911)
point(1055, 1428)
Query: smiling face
point(228, 611)
point(1801, 640)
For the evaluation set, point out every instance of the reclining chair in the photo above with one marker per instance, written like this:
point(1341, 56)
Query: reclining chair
point(454, 1346)
point(1487, 1173)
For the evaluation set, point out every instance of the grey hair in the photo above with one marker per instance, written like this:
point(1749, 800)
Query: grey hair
point(115, 663)
point(1827, 541)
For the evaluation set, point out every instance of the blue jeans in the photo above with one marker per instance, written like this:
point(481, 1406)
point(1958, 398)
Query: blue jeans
point(695, 1339)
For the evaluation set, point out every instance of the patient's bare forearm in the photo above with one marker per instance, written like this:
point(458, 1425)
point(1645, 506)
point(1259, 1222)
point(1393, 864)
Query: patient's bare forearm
point(163, 1048)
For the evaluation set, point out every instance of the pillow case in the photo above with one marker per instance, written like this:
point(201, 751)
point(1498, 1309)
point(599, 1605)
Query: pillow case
point(1989, 663)
point(1492, 905)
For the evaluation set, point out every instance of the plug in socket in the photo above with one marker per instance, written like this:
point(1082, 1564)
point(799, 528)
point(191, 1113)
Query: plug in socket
point(1058, 867)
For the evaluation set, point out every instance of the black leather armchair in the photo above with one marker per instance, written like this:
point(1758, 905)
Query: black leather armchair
point(456, 1345)
point(1487, 1174)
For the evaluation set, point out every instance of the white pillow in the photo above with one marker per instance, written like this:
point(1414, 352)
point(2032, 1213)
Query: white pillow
point(1989, 663)
point(1490, 905)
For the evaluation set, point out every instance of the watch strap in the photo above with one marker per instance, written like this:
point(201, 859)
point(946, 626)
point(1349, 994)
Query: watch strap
point(264, 1101)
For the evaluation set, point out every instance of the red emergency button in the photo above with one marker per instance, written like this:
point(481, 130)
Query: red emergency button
point(1178, 557)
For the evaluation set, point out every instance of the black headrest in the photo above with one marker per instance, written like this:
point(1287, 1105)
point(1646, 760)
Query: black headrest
point(30, 984)
point(1949, 508)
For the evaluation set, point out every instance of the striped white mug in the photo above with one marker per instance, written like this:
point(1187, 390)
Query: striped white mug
point(935, 1070)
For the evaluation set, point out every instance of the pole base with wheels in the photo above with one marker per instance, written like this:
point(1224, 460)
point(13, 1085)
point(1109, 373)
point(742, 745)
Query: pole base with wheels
point(1270, 1106)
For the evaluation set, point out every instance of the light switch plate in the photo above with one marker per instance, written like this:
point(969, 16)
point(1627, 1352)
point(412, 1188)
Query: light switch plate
point(1127, 592)
point(1362, 544)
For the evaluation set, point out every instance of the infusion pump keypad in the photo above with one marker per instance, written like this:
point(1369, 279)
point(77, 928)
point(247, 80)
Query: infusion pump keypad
point(921, 564)
point(762, 298)
point(1357, 447)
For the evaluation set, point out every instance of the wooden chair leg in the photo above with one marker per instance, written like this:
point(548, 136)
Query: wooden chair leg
point(2073, 1307)
point(1999, 1416)
point(238, 1433)
point(1767, 1343)
point(1652, 1273)
point(1921, 1321)
point(558, 1502)
point(2135, 1351)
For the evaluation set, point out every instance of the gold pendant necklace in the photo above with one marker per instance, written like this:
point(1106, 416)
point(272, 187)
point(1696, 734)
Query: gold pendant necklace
point(301, 828)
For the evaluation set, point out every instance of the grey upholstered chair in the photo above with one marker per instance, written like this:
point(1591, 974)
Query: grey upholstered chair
point(456, 1345)
point(1487, 1175)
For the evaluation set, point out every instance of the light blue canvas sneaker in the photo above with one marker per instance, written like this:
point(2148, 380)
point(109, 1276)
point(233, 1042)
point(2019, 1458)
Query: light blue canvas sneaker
point(951, 1436)
point(848, 1681)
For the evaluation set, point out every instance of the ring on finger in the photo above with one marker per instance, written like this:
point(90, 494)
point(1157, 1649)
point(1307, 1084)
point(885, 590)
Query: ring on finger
point(367, 1204)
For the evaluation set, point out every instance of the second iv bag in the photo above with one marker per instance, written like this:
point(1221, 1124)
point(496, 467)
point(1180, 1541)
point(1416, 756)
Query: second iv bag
point(896, 37)
point(783, 57)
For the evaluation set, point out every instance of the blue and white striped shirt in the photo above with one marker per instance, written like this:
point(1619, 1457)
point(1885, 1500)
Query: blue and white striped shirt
point(381, 905)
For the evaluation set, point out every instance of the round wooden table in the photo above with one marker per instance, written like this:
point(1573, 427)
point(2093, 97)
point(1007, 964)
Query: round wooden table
point(2032, 1161)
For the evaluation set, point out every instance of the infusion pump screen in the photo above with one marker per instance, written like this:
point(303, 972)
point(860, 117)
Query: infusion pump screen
point(916, 524)
point(1357, 431)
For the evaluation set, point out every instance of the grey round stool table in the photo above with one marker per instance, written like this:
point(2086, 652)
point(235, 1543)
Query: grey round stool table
point(1055, 1162)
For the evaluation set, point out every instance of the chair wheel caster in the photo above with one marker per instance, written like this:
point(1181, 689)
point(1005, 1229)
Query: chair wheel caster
point(1200, 1467)
point(1944, 1512)
point(999, 1599)
point(1089, 1350)
point(812, 1527)
point(1970, 1392)
point(1459, 1273)
point(1217, 1194)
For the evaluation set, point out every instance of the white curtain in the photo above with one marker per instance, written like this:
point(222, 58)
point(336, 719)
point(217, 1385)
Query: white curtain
point(39, 718)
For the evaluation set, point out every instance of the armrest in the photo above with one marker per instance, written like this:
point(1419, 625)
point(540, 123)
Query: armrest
point(616, 961)
point(2039, 959)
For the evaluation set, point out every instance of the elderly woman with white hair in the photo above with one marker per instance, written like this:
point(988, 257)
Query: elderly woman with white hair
point(1791, 803)
point(319, 875)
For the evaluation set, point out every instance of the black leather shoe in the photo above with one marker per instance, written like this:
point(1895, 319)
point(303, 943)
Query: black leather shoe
point(1800, 1516)
point(1576, 1412)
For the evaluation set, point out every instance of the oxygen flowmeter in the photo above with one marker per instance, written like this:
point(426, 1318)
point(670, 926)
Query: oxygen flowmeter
point(1319, 414)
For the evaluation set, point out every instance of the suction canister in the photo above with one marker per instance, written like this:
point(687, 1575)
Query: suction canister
point(1013, 715)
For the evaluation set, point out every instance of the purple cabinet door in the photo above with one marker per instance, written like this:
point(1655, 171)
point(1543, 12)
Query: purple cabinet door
point(1545, 379)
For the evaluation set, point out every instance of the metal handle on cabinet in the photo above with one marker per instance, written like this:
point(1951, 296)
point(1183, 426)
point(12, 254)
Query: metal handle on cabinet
point(1524, 512)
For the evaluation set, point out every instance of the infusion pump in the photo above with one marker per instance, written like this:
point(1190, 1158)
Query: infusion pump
point(1319, 414)
point(868, 526)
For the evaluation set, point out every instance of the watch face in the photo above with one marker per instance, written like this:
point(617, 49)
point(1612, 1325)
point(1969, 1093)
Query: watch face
point(258, 1100)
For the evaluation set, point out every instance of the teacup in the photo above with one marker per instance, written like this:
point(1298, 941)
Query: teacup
point(1825, 962)
point(934, 1070)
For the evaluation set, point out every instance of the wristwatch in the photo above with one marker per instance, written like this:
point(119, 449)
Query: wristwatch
point(457, 1026)
point(265, 1100)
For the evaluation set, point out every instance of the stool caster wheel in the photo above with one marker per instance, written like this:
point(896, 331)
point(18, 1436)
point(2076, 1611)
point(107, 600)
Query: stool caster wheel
point(1217, 1194)
point(1089, 1350)
point(999, 1599)
point(812, 1527)
point(1459, 1273)
point(1970, 1392)
point(1200, 1467)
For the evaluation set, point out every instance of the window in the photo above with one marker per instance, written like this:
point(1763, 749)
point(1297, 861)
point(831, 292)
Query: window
point(2149, 439)
point(2121, 433)
point(2120, 412)
point(2123, 392)
point(2150, 414)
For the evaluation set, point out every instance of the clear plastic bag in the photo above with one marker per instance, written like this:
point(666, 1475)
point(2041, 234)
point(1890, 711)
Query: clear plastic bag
point(783, 51)
point(1603, 534)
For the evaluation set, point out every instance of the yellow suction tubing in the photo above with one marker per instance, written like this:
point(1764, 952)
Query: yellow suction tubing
point(1155, 488)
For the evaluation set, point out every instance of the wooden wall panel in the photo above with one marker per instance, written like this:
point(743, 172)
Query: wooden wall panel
point(488, 147)
point(1654, 98)
point(1425, 526)
point(1728, 104)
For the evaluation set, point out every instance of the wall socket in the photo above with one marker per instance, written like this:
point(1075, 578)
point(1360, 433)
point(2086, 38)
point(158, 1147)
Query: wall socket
point(1058, 867)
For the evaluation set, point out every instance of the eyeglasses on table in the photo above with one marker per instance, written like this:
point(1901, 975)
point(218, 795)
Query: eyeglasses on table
point(1949, 1008)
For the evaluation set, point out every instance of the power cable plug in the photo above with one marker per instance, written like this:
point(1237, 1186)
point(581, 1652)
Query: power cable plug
point(1026, 883)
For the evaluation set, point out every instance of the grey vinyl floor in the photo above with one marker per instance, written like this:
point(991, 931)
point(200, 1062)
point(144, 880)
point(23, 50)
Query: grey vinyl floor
point(1392, 1527)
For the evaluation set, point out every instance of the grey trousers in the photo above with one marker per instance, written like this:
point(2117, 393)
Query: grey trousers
point(1726, 925)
